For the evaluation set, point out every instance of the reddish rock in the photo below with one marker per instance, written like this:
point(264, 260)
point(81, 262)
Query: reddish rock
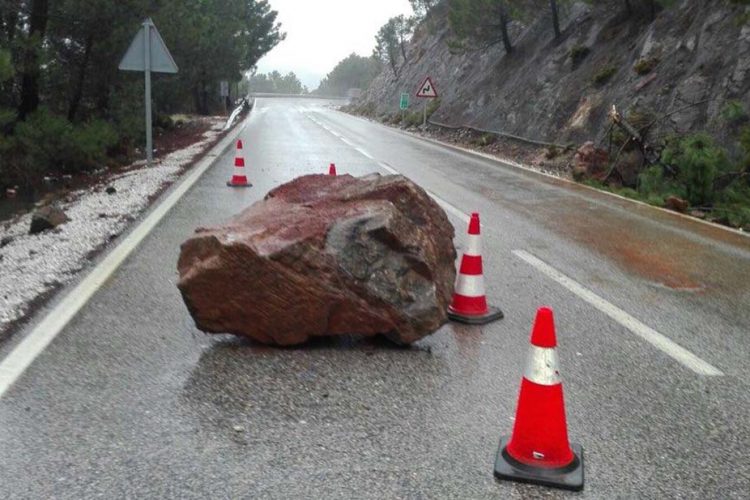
point(324, 255)
point(590, 162)
point(677, 204)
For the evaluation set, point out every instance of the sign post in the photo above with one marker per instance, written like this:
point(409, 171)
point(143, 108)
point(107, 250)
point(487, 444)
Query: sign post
point(148, 53)
point(404, 104)
point(224, 91)
point(426, 91)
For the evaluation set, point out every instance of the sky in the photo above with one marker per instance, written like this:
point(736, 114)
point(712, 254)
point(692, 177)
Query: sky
point(320, 33)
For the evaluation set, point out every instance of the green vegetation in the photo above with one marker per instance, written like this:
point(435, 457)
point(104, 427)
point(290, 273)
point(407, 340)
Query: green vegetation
point(645, 65)
point(275, 83)
point(481, 23)
point(433, 106)
point(484, 140)
point(578, 53)
point(734, 113)
point(694, 168)
point(65, 106)
point(353, 72)
point(697, 162)
point(391, 42)
point(605, 74)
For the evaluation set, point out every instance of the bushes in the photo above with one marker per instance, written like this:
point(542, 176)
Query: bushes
point(644, 66)
point(605, 74)
point(697, 162)
point(46, 142)
point(734, 113)
point(577, 54)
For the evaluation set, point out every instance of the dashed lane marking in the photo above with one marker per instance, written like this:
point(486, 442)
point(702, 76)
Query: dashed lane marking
point(656, 339)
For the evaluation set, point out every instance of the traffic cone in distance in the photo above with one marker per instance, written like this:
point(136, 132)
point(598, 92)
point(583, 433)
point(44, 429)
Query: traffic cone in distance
point(538, 451)
point(239, 179)
point(332, 169)
point(469, 303)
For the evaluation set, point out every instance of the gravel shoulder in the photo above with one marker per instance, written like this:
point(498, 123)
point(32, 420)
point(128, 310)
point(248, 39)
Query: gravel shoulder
point(34, 267)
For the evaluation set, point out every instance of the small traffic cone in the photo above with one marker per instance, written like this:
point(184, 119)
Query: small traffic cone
point(469, 301)
point(332, 169)
point(239, 179)
point(538, 451)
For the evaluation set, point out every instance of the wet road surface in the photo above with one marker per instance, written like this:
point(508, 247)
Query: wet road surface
point(131, 401)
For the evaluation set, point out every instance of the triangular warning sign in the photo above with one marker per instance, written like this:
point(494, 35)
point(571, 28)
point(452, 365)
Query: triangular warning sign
point(135, 57)
point(427, 89)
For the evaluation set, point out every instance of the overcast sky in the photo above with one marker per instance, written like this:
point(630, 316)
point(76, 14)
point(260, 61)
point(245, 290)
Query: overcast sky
point(320, 33)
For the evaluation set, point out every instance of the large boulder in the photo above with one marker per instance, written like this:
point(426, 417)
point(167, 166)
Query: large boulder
point(324, 255)
point(590, 162)
point(47, 218)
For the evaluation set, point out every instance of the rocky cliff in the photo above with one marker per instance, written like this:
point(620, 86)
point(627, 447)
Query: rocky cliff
point(684, 68)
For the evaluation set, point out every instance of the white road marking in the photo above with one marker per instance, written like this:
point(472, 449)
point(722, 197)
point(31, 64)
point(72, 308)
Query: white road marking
point(656, 339)
point(364, 153)
point(643, 331)
point(449, 207)
point(388, 168)
point(21, 357)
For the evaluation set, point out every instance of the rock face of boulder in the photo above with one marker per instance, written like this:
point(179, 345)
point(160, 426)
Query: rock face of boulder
point(46, 218)
point(324, 255)
point(590, 162)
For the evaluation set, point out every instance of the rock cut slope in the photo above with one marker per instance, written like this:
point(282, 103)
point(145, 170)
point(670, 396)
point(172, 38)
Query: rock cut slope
point(688, 64)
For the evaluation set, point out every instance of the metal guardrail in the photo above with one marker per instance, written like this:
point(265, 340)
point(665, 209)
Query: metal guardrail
point(245, 103)
point(501, 134)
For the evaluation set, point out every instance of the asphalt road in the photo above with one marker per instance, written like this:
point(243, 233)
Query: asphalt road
point(131, 401)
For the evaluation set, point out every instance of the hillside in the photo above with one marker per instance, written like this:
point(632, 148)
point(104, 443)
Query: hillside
point(691, 61)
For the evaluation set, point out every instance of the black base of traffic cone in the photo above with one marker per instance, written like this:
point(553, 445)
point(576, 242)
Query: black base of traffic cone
point(229, 183)
point(493, 314)
point(566, 478)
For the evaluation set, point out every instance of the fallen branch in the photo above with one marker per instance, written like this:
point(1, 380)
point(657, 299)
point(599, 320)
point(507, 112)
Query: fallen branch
point(617, 160)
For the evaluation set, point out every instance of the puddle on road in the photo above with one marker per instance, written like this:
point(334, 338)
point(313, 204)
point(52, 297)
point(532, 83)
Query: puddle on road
point(661, 257)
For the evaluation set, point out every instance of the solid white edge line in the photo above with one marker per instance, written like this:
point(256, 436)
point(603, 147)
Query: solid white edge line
point(520, 166)
point(656, 339)
point(24, 354)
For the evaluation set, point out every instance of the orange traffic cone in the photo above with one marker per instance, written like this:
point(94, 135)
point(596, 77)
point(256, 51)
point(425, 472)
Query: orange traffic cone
point(469, 301)
point(239, 179)
point(332, 169)
point(538, 451)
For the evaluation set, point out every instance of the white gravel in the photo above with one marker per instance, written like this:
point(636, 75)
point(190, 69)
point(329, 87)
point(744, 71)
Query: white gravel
point(32, 265)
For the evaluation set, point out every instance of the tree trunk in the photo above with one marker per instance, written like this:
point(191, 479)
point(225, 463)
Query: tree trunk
point(30, 75)
point(504, 20)
point(555, 17)
point(10, 20)
point(78, 92)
